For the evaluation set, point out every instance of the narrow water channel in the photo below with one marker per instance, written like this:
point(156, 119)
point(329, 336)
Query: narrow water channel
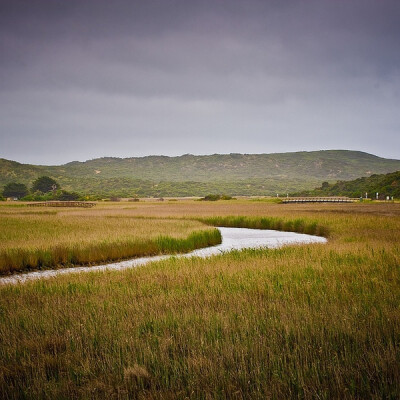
point(232, 239)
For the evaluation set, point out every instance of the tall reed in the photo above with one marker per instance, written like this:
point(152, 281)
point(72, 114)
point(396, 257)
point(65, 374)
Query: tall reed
point(44, 239)
point(281, 224)
point(310, 322)
point(12, 260)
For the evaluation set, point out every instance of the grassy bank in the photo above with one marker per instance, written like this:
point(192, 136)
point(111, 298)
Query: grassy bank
point(280, 224)
point(45, 239)
point(315, 321)
point(17, 259)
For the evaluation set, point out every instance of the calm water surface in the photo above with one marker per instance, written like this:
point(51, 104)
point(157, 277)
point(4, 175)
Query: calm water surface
point(232, 239)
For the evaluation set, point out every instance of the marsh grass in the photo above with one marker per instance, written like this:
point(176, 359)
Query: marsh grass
point(280, 224)
point(12, 260)
point(312, 322)
point(38, 240)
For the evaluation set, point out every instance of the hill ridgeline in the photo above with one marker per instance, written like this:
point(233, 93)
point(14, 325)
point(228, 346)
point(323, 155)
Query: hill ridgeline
point(190, 175)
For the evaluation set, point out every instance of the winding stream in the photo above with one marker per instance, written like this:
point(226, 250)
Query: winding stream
point(232, 239)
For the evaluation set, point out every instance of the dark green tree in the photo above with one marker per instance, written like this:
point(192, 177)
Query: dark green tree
point(67, 196)
point(325, 185)
point(45, 184)
point(15, 189)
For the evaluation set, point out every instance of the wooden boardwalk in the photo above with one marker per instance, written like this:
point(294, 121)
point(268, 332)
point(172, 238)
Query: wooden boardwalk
point(84, 204)
point(319, 200)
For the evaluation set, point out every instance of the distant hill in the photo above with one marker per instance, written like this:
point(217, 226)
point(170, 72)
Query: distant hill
point(189, 175)
point(384, 185)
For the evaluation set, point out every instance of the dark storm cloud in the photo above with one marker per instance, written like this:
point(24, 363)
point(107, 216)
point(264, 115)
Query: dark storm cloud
point(129, 78)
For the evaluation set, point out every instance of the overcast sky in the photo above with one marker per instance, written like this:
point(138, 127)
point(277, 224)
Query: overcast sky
point(81, 79)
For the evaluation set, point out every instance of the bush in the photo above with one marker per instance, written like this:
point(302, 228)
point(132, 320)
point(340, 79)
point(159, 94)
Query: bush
point(226, 197)
point(38, 196)
point(67, 196)
point(215, 197)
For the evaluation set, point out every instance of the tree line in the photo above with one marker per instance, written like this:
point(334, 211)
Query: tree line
point(43, 188)
point(375, 186)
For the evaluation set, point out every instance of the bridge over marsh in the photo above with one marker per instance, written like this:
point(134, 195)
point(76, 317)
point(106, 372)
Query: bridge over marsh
point(332, 199)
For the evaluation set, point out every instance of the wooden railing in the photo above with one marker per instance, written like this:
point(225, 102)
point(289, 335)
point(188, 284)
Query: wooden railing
point(84, 204)
point(319, 200)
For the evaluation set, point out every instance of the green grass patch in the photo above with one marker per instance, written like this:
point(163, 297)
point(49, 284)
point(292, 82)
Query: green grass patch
point(19, 259)
point(290, 225)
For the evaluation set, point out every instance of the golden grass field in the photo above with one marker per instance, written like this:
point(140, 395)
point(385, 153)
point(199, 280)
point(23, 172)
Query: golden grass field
point(312, 321)
point(37, 239)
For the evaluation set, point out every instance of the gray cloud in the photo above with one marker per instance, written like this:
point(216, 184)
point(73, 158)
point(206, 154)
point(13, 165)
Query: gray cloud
point(128, 78)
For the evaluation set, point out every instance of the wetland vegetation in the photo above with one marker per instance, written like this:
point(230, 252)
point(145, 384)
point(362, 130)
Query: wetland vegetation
point(44, 239)
point(314, 321)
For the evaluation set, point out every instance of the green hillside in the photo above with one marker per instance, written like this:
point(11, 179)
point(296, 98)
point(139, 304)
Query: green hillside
point(384, 185)
point(189, 175)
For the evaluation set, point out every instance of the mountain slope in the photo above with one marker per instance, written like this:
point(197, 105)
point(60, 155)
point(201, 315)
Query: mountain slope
point(321, 164)
point(384, 185)
point(233, 174)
